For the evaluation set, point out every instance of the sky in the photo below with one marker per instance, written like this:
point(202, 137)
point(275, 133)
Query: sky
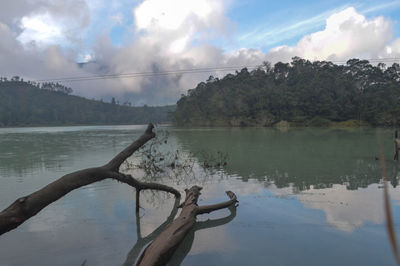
point(46, 39)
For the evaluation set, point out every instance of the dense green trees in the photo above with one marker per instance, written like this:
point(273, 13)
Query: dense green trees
point(26, 103)
point(302, 92)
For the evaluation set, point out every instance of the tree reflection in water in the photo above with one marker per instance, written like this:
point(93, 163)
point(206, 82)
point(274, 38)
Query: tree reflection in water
point(142, 242)
point(187, 243)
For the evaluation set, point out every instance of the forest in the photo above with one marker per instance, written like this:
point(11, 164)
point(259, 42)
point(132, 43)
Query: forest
point(25, 103)
point(300, 93)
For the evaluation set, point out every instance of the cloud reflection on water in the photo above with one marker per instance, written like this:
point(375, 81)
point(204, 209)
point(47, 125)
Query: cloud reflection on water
point(97, 222)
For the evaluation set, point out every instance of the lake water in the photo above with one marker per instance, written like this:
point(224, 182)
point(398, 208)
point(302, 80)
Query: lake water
point(307, 197)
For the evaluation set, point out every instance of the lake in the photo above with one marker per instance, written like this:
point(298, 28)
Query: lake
point(307, 196)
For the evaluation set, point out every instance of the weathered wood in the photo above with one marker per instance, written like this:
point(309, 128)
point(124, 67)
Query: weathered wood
point(164, 245)
point(186, 245)
point(26, 207)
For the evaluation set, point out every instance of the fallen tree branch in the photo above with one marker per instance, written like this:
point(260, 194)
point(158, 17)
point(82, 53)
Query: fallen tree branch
point(164, 245)
point(214, 207)
point(26, 207)
point(186, 245)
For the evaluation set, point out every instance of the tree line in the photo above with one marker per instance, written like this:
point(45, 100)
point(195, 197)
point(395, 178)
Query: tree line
point(301, 92)
point(50, 86)
point(25, 103)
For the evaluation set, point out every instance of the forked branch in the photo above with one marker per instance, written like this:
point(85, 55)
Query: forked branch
point(26, 207)
point(164, 245)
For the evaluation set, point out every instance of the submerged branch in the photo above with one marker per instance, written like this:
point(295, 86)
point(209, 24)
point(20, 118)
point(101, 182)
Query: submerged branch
point(164, 245)
point(26, 207)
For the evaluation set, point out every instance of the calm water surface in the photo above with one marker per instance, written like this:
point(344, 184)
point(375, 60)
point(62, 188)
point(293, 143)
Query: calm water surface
point(307, 197)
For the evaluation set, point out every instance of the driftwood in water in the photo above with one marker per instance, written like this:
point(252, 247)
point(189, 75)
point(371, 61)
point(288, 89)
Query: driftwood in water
point(167, 237)
point(164, 245)
point(184, 248)
point(187, 243)
point(26, 207)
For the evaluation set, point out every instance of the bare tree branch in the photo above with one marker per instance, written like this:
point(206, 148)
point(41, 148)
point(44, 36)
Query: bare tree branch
point(116, 162)
point(26, 207)
point(164, 245)
point(186, 245)
point(222, 205)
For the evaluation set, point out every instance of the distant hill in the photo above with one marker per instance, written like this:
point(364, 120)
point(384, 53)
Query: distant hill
point(30, 104)
point(298, 93)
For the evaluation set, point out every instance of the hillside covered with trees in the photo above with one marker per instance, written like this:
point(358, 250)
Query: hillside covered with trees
point(31, 104)
point(301, 92)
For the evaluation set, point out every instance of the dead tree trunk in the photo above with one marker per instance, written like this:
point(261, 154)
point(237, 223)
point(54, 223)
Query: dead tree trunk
point(164, 245)
point(26, 207)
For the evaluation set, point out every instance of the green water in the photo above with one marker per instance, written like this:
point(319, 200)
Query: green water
point(307, 197)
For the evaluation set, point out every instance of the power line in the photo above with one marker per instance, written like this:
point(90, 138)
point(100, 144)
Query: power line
point(181, 72)
point(147, 74)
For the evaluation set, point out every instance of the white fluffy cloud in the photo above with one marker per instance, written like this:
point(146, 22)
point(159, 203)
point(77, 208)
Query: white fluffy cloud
point(51, 22)
point(165, 38)
point(40, 28)
point(158, 14)
point(347, 34)
point(43, 40)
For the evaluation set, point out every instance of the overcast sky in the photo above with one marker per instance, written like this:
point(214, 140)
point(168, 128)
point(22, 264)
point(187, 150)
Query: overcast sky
point(43, 39)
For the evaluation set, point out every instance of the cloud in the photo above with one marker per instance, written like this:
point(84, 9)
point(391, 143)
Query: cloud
point(393, 49)
point(31, 62)
point(173, 29)
point(267, 35)
point(38, 37)
point(165, 38)
point(44, 38)
point(156, 14)
point(46, 21)
point(347, 34)
point(40, 29)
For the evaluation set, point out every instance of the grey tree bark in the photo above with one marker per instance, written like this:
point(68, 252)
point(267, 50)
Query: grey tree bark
point(26, 207)
point(167, 237)
point(164, 245)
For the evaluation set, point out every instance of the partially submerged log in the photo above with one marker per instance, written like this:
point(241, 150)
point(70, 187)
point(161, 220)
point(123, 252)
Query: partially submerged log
point(185, 247)
point(164, 245)
point(167, 237)
point(26, 207)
